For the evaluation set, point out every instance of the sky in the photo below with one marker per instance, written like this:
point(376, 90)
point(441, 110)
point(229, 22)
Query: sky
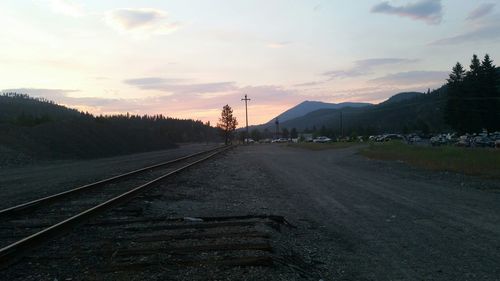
point(188, 58)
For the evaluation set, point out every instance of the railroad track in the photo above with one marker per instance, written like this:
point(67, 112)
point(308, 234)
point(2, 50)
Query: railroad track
point(27, 226)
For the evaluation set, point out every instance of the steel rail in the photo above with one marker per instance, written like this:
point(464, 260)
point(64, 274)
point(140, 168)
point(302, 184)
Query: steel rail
point(51, 198)
point(16, 250)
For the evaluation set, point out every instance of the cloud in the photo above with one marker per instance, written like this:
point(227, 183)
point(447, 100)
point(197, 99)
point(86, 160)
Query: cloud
point(61, 96)
point(362, 94)
point(369, 63)
point(189, 104)
point(429, 11)
point(482, 30)
point(360, 68)
point(354, 72)
point(150, 81)
point(96, 105)
point(38, 92)
point(309, 84)
point(481, 11)
point(413, 78)
point(67, 7)
point(365, 67)
point(278, 45)
point(178, 86)
point(140, 20)
point(209, 95)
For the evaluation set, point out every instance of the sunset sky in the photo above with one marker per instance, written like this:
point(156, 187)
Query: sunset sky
point(188, 58)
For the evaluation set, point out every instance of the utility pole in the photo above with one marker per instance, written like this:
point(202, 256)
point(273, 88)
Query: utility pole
point(341, 126)
point(277, 122)
point(246, 99)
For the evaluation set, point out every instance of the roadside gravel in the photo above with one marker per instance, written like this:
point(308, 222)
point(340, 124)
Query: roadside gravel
point(21, 184)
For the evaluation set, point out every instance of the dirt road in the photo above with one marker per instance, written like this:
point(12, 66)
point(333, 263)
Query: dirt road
point(385, 221)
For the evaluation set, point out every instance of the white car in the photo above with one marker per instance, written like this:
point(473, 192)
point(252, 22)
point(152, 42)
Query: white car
point(249, 140)
point(322, 139)
point(280, 140)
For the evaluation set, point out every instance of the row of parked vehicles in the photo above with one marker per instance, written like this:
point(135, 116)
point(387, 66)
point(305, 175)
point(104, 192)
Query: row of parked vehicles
point(321, 139)
point(468, 140)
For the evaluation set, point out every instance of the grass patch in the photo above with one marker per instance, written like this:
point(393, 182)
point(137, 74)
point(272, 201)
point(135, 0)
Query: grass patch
point(322, 146)
point(481, 162)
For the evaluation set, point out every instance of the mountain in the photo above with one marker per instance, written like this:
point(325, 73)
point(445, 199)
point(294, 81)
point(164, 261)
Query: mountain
point(310, 106)
point(403, 96)
point(402, 112)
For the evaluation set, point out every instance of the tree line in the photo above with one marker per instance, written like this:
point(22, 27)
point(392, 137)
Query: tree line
point(473, 97)
point(42, 129)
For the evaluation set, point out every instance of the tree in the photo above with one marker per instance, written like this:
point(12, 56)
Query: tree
point(471, 101)
point(284, 133)
point(255, 134)
point(454, 106)
point(227, 123)
point(489, 95)
point(457, 75)
point(475, 67)
point(473, 98)
point(293, 133)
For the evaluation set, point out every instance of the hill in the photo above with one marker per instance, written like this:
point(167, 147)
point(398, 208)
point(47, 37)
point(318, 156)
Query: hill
point(34, 128)
point(403, 96)
point(310, 106)
point(401, 113)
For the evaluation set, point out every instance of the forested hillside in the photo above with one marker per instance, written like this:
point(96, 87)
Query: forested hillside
point(402, 113)
point(309, 106)
point(32, 128)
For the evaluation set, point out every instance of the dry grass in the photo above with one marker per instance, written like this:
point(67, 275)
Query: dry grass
point(322, 146)
point(482, 162)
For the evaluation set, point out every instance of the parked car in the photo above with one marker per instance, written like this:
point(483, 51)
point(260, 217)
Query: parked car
point(483, 141)
point(439, 140)
point(388, 137)
point(322, 139)
point(463, 141)
point(280, 140)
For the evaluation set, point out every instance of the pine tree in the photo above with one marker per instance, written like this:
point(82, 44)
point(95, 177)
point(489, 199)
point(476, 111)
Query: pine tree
point(470, 102)
point(227, 123)
point(457, 75)
point(475, 67)
point(489, 95)
point(453, 110)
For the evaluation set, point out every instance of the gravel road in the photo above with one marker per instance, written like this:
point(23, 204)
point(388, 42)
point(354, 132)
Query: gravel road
point(355, 219)
point(360, 219)
point(385, 221)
